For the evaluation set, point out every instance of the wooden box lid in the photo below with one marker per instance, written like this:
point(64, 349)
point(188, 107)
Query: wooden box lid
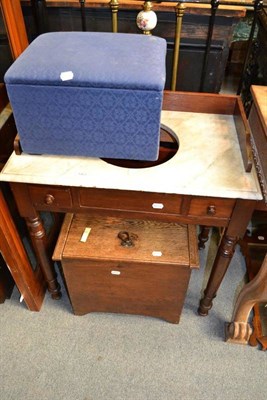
point(92, 238)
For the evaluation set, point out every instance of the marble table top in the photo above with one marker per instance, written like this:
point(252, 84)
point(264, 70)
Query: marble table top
point(208, 163)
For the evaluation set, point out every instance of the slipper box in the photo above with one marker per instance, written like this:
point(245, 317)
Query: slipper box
point(91, 94)
point(126, 266)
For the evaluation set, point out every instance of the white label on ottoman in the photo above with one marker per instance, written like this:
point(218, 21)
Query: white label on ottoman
point(66, 76)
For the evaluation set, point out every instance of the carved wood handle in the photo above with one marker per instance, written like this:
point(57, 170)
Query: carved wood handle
point(127, 239)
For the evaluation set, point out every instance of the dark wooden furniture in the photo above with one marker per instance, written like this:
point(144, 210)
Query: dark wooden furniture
point(29, 282)
point(254, 249)
point(15, 26)
point(33, 191)
point(61, 15)
point(254, 246)
point(256, 70)
point(12, 18)
point(8, 129)
point(15, 264)
point(7, 135)
point(6, 281)
point(239, 330)
point(6, 56)
point(129, 266)
point(258, 123)
point(233, 214)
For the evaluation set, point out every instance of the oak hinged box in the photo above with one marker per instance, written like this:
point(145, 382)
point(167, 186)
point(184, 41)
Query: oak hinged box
point(128, 266)
point(90, 94)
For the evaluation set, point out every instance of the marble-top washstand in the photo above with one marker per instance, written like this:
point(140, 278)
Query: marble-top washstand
point(208, 163)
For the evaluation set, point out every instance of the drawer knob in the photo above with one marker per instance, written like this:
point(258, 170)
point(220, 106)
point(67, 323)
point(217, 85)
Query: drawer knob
point(49, 199)
point(211, 210)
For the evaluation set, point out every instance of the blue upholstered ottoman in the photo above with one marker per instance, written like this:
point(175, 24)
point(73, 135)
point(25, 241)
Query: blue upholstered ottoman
point(89, 94)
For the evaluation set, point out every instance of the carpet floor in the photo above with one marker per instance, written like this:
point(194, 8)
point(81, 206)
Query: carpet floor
point(54, 354)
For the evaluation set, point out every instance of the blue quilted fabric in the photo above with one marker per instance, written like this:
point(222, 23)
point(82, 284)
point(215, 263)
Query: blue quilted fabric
point(111, 106)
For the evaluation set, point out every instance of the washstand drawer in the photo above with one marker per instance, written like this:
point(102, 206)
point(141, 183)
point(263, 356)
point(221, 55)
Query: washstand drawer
point(50, 196)
point(130, 201)
point(211, 207)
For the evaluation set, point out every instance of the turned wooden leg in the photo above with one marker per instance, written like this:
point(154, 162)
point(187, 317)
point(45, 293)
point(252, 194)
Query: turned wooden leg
point(238, 223)
point(239, 330)
point(224, 255)
point(39, 241)
point(203, 237)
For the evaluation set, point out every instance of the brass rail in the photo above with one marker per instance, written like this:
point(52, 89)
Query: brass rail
point(179, 19)
point(114, 5)
point(179, 10)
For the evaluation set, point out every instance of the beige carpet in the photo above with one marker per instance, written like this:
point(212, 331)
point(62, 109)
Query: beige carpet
point(56, 355)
